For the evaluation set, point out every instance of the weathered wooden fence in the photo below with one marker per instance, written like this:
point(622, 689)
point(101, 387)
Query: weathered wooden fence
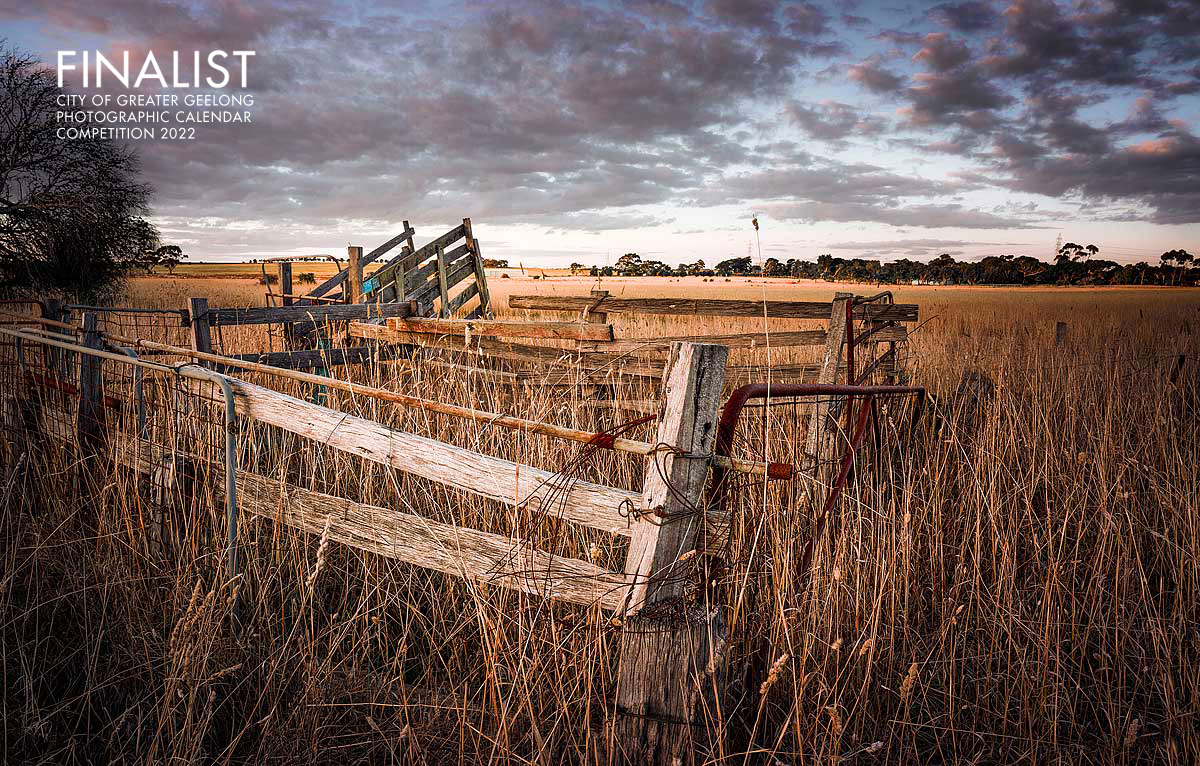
point(88, 392)
point(593, 348)
point(118, 400)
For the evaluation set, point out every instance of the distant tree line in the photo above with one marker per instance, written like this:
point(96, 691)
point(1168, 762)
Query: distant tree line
point(1074, 265)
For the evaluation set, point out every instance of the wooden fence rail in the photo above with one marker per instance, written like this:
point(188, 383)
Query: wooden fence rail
point(592, 505)
point(369, 258)
point(896, 312)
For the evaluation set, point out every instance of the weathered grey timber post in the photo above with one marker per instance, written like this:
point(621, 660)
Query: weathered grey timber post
point(354, 275)
point(90, 418)
point(673, 641)
point(485, 299)
point(412, 247)
point(816, 441)
point(172, 492)
point(285, 281)
point(591, 315)
point(443, 286)
point(285, 287)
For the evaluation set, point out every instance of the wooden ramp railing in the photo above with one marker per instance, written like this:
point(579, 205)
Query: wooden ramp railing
point(443, 278)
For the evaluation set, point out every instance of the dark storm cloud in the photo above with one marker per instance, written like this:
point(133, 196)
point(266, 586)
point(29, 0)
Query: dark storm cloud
point(942, 53)
point(529, 111)
point(962, 96)
point(757, 14)
point(825, 190)
point(1029, 98)
point(967, 17)
point(834, 121)
point(875, 77)
point(807, 20)
point(1111, 44)
point(1162, 172)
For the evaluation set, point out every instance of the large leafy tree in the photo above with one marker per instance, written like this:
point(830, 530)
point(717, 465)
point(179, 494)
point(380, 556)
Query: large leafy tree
point(70, 209)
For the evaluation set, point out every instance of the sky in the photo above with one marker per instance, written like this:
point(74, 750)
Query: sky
point(577, 131)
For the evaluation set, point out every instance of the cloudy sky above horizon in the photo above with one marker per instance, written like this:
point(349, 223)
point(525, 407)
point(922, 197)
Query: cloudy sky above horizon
point(576, 131)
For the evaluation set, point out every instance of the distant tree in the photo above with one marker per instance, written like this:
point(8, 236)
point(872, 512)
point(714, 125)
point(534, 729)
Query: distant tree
point(943, 270)
point(493, 263)
point(170, 256)
point(825, 266)
point(654, 269)
point(1029, 267)
point(629, 264)
point(577, 267)
point(734, 267)
point(772, 268)
point(1071, 252)
point(149, 254)
point(1178, 258)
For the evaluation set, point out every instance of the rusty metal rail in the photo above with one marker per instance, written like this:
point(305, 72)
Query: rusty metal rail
point(731, 416)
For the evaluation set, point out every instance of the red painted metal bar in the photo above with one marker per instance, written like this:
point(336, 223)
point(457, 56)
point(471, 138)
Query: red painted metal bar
point(731, 414)
point(732, 411)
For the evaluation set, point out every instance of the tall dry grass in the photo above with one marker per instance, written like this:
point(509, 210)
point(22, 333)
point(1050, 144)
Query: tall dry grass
point(1017, 584)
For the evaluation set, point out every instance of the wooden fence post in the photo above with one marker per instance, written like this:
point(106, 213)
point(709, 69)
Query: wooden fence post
point(90, 418)
point(285, 287)
point(443, 288)
point(485, 299)
point(201, 329)
point(672, 644)
point(835, 340)
point(172, 491)
point(52, 308)
point(285, 281)
point(354, 275)
point(412, 247)
point(600, 317)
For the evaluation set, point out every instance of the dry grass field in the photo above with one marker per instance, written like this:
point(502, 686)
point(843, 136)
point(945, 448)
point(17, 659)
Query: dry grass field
point(1018, 583)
